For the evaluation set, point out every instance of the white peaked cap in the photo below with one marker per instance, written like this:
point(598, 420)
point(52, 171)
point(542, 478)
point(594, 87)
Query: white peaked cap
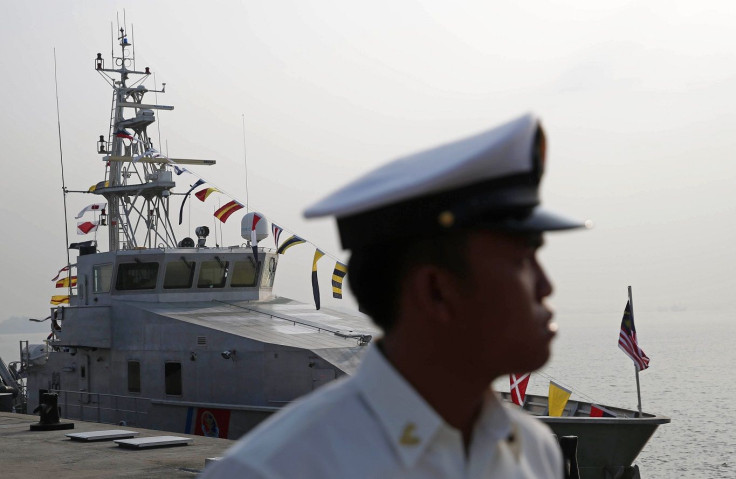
point(488, 180)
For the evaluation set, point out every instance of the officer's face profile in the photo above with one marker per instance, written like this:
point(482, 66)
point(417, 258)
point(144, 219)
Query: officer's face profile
point(503, 313)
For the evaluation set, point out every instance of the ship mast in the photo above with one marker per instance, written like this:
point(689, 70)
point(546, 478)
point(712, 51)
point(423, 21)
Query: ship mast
point(138, 183)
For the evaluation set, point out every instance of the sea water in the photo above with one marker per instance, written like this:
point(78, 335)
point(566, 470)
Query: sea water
point(9, 344)
point(691, 379)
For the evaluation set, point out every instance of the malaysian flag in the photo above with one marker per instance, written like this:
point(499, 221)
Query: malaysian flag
point(627, 340)
point(519, 382)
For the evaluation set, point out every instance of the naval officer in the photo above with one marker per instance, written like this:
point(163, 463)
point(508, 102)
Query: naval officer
point(444, 259)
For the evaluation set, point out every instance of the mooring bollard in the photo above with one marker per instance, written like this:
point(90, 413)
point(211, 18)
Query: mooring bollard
point(48, 411)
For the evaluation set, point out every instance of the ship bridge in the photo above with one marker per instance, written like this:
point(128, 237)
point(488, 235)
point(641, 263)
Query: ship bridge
point(175, 274)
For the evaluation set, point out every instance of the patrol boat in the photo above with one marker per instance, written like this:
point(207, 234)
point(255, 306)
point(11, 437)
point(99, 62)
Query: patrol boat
point(172, 333)
point(178, 335)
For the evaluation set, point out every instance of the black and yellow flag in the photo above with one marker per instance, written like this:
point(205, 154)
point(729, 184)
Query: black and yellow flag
point(315, 285)
point(337, 276)
point(294, 240)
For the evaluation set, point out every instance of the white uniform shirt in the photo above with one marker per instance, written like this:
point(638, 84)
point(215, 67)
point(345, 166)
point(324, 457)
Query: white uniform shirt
point(374, 425)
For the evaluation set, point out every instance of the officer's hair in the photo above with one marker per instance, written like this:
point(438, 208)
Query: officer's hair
point(376, 273)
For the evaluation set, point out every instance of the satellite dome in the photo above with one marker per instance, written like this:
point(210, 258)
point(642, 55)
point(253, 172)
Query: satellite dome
point(246, 226)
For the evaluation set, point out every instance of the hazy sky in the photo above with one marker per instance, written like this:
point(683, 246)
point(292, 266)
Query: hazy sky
point(638, 100)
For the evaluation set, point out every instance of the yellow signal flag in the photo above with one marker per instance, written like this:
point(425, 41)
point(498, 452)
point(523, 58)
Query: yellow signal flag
point(64, 282)
point(558, 397)
point(60, 299)
point(101, 184)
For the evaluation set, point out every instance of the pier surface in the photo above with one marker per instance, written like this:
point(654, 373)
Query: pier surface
point(25, 453)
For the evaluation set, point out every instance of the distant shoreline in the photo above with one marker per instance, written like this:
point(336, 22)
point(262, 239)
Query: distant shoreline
point(18, 325)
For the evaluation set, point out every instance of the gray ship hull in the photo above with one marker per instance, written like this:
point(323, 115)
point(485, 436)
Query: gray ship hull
point(607, 446)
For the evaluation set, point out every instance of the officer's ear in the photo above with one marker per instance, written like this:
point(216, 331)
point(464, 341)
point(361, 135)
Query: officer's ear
point(434, 291)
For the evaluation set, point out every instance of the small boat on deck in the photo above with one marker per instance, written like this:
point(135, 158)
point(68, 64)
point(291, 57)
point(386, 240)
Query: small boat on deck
point(607, 446)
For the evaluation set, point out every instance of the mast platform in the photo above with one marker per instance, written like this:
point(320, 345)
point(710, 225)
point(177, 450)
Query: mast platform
point(146, 190)
point(176, 161)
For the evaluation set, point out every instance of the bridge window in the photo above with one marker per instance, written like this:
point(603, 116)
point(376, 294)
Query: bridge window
point(212, 274)
point(134, 376)
point(172, 372)
point(244, 273)
point(135, 276)
point(179, 274)
point(101, 278)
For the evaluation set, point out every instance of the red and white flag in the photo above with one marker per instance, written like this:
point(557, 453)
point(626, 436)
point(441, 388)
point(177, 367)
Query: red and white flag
point(87, 227)
point(253, 236)
point(65, 268)
point(519, 382)
point(92, 207)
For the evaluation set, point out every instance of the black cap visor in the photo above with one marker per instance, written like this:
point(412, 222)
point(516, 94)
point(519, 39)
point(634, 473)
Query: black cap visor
point(538, 220)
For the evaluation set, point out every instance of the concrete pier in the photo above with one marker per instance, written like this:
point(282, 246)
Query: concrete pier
point(25, 453)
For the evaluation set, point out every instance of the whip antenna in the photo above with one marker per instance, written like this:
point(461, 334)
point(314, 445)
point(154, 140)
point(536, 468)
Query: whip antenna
point(63, 182)
point(245, 160)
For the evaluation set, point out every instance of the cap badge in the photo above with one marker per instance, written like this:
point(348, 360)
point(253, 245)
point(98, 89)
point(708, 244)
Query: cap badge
point(446, 219)
point(407, 436)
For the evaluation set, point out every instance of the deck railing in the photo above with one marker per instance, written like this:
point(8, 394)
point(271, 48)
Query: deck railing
point(104, 408)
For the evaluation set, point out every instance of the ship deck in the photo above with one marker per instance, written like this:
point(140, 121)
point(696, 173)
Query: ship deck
point(27, 453)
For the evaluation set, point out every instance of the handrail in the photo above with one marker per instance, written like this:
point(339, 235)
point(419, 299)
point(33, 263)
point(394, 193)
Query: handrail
point(86, 400)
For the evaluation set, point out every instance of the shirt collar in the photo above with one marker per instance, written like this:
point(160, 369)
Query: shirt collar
point(494, 419)
point(407, 419)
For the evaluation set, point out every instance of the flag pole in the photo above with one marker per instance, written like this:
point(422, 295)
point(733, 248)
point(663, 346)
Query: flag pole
point(636, 369)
